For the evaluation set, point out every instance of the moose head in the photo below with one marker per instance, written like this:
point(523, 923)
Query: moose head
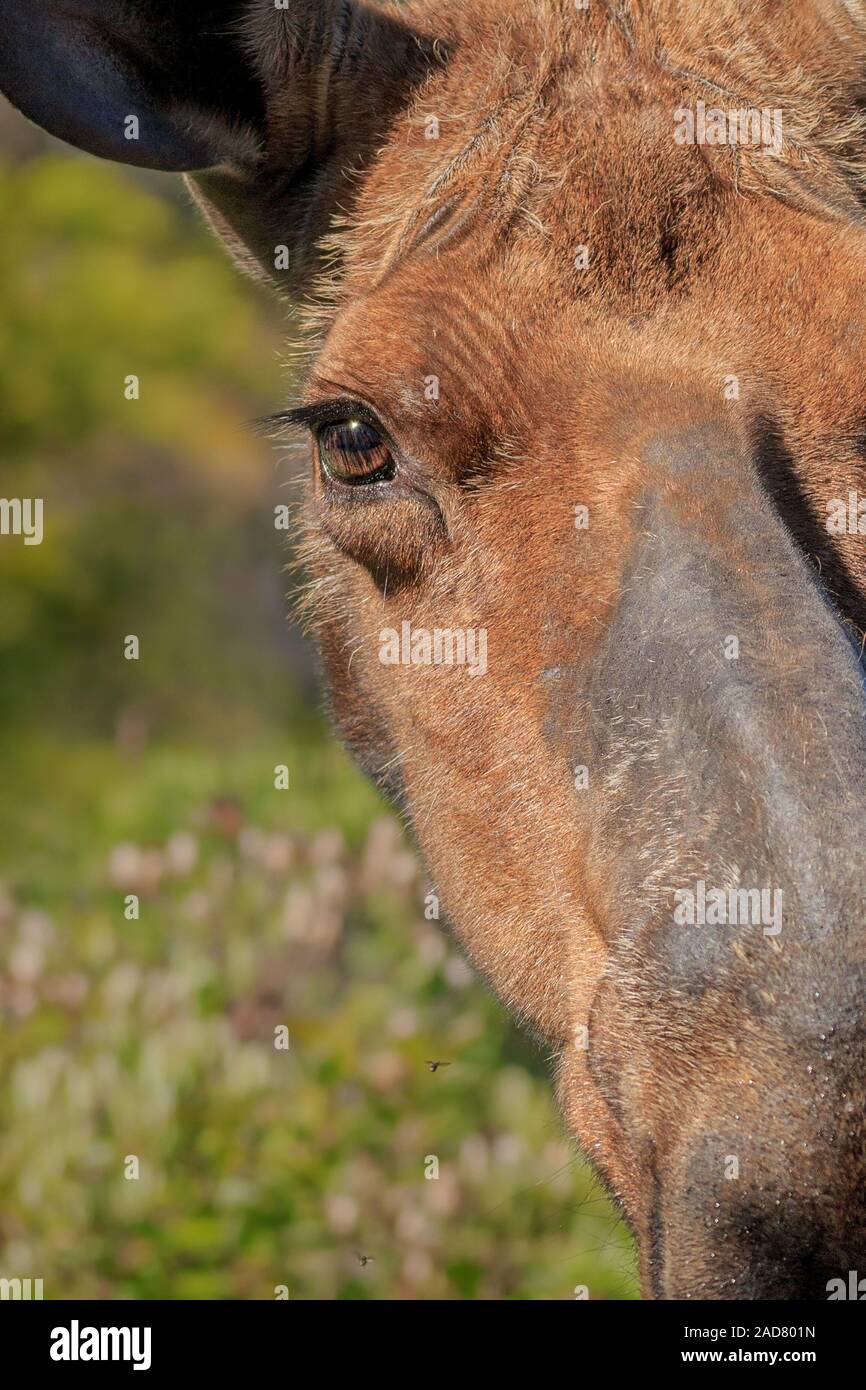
point(583, 524)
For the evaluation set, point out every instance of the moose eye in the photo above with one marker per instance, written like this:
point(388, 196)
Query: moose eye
point(354, 452)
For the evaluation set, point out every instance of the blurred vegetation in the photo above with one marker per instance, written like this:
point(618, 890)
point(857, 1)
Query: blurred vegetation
point(153, 506)
point(259, 909)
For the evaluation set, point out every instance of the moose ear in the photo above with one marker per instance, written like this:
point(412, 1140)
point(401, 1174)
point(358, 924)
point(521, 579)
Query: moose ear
point(163, 84)
point(272, 106)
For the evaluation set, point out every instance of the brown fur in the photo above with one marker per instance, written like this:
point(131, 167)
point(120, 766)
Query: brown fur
point(604, 386)
point(704, 263)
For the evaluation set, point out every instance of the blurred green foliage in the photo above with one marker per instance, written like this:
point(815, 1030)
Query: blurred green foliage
point(259, 908)
point(100, 278)
point(152, 506)
point(262, 1167)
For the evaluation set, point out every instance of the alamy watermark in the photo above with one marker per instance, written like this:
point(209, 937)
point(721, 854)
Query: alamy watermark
point(77, 1343)
point(729, 907)
point(853, 1290)
point(712, 125)
point(438, 646)
point(22, 516)
point(846, 517)
point(20, 1290)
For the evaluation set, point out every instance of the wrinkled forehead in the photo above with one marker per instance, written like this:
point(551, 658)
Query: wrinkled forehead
point(469, 350)
point(481, 244)
point(530, 208)
point(440, 352)
point(555, 161)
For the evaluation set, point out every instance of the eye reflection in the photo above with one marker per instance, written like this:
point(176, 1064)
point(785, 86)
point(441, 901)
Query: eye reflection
point(353, 451)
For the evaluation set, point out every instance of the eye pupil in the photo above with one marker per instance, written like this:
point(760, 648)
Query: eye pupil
point(353, 451)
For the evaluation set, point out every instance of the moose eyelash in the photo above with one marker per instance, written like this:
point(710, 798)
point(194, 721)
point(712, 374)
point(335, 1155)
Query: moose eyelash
point(313, 417)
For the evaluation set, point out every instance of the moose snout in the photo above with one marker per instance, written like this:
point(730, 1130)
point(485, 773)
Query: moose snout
point(724, 717)
point(741, 1098)
point(768, 1197)
point(723, 720)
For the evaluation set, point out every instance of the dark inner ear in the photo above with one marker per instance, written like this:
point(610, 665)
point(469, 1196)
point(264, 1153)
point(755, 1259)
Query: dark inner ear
point(83, 68)
point(274, 111)
point(335, 74)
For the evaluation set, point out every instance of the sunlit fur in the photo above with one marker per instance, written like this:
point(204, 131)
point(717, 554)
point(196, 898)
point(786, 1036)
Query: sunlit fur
point(672, 337)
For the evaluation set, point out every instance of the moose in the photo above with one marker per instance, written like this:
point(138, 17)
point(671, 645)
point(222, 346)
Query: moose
point(586, 377)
